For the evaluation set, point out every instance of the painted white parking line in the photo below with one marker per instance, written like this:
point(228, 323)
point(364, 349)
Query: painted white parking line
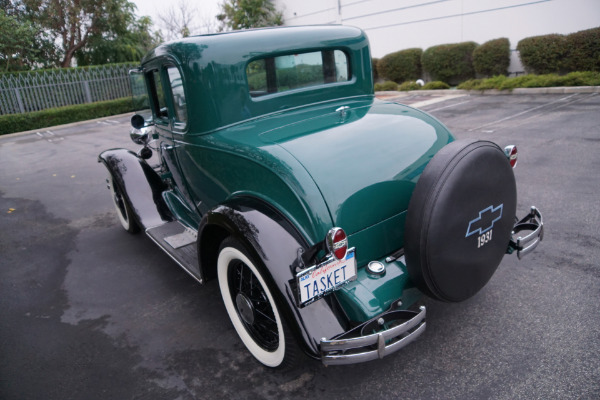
point(49, 136)
point(522, 112)
point(451, 105)
point(436, 100)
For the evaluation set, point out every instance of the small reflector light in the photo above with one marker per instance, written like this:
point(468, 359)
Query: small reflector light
point(511, 154)
point(337, 243)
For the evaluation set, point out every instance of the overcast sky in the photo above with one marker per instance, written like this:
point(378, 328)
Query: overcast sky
point(152, 8)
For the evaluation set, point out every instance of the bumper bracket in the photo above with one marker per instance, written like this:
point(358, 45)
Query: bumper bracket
point(389, 334)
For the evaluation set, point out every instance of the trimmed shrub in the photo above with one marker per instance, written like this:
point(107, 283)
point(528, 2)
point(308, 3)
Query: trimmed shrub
point(386, 86)
point(409, 85)
point(401, 66)
point(588, 78)
point(583, 50)
point(436, 85)
point(11, 123)
point(374, 62)
point(543, 54)
point(483, 84)
point(492, 57)
point(451, 63)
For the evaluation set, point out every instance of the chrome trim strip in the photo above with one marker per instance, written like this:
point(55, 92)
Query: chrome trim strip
point(379, 339)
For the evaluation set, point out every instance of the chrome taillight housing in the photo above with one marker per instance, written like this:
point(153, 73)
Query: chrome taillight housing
point(337, 243)
point(511, 154)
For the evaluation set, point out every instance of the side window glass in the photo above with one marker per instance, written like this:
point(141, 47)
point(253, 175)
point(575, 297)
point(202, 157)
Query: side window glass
point(179, 103)
point(288, 72)
point(160, 104)
point(299, 70)
point(139, 94)
point(257, 78)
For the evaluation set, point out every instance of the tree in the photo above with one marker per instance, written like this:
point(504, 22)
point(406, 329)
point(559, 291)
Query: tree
point(74, 22)
point(177, 20)
point(181, 20)
point(116, 47)
point(246, 14)
point(23, 44)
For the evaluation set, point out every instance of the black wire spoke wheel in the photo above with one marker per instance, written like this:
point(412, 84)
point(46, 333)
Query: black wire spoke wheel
point(252, 305)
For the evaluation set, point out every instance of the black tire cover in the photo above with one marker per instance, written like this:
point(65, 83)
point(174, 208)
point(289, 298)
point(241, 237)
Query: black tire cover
point(466, 192)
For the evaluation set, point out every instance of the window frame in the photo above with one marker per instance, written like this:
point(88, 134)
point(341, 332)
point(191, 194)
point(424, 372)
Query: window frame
point(171, 119)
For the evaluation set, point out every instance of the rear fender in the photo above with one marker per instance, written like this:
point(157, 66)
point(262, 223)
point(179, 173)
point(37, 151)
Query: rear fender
point(140, 184)
point(272, 239)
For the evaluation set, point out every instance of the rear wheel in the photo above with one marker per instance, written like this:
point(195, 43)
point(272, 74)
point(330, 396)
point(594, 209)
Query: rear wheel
point(123, 208)
point(252, 308)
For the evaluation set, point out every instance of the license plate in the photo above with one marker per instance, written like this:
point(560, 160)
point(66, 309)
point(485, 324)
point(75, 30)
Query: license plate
point(317, 281)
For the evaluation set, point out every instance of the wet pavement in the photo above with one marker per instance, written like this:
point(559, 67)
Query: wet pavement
point(88, 311)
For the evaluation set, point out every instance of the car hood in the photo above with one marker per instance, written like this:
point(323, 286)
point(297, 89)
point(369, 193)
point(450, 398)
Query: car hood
point(365, 159)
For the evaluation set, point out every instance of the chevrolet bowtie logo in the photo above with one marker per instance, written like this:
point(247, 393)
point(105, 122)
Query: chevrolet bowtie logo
point(485, 221)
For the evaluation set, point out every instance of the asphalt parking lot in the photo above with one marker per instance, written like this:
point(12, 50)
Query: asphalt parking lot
point(88, 311)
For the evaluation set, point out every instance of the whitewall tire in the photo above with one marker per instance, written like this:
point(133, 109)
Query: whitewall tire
point(122, 206)
point(252, 308)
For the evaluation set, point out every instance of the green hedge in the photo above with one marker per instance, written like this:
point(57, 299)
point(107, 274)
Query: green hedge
point(435, 85)
point(386, 86)
point(492, 57)
point(542, 54)
point(70, 70)
point(409, 85)
point(583, 51)
point(57, 116)
point(401, 66)
point(450, 63)
point(590, 78)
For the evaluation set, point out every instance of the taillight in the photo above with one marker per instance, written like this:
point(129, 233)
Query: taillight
point(511, 154)
point(337, 243)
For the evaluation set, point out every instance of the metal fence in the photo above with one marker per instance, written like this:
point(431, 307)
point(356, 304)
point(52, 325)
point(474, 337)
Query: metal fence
point(34, 91)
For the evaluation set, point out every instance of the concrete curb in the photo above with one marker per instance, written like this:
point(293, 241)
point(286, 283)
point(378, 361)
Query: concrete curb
point(542, 90)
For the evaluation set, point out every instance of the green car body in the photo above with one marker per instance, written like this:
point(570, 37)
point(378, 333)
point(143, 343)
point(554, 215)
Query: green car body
point(274, 137)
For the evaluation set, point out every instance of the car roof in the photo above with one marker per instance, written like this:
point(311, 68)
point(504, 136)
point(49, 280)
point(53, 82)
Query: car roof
point(213, 69)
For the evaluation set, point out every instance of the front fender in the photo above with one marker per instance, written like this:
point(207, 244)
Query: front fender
point(270, 238)
point(140, 184)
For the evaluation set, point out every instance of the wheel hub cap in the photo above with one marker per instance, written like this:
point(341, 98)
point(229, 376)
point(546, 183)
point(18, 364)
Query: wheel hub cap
point(245, 308)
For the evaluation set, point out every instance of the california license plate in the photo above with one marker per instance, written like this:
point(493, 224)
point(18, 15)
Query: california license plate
point(317, 281)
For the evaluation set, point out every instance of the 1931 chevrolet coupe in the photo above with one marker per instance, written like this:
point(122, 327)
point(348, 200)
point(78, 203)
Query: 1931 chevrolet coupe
point(323, 212)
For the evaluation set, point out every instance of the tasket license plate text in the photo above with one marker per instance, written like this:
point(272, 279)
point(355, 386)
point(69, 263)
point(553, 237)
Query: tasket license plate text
point(321, 279)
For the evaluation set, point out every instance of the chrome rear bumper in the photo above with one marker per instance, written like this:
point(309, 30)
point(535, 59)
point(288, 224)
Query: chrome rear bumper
point(357, 345)
point(534, 224)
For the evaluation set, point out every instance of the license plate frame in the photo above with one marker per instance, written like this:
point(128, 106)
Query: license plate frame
point(321, 279)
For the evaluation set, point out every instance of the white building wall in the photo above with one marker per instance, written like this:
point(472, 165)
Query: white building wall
point(394, 25)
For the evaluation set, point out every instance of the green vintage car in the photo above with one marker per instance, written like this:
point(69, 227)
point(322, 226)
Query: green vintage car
point(324, 213)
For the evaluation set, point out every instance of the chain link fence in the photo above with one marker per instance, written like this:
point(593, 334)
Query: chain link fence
point(39, 90)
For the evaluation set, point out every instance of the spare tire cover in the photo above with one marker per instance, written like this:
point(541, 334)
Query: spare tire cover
point(460, 219)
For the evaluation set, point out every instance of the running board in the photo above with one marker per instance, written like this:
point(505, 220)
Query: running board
point(179, 242)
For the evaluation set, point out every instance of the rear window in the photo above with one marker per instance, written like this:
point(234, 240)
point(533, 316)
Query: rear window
point(293, 71)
